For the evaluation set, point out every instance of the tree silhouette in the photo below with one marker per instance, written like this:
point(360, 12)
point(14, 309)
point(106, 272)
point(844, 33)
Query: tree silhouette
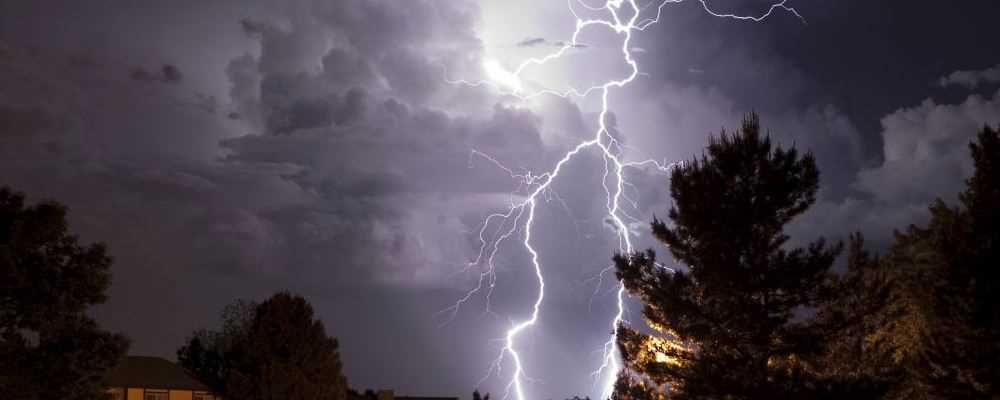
point(945, 331)
point(855, 361)
point(203, 360)
point(49, 347)
point(280, 352)
point(207, 354)
point(921, 321)
point(726, 327)
point(981, 203)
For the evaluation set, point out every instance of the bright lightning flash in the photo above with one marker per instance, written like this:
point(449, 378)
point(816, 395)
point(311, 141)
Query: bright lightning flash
point(520, 216)
point(496, 73)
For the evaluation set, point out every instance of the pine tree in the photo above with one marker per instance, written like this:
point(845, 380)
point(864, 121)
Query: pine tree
point(922, 321)
point(961, 351)
point(726, 326)
point(981, 201)
point(882, 319)
point(857, 360)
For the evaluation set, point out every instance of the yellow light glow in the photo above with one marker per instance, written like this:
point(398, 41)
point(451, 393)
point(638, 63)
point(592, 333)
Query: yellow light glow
point(654, 344)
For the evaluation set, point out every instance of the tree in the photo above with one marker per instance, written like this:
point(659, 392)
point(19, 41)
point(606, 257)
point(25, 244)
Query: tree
point(981, 205)
point(726, 326)
point(950, 284)
point(629, 387)
point(279, 351)
point(477, 396)
point(49, 347)
point(979, 269)
point(922, 321)
point(858, 360)
point(207, 354)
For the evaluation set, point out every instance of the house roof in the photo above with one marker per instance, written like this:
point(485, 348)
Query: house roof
point(152, 373)
point(388, 394)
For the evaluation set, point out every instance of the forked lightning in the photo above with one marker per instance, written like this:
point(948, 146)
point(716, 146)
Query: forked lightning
point(520, 216)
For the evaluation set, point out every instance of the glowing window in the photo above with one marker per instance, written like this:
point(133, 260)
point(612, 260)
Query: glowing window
point(156, 395)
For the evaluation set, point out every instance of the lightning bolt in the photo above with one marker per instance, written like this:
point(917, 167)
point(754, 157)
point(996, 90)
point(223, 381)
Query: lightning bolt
point(497, 228)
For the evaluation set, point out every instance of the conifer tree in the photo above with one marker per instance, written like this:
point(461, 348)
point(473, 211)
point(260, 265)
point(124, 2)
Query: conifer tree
point(725, 319)
point(921, 321)
point(957, 357)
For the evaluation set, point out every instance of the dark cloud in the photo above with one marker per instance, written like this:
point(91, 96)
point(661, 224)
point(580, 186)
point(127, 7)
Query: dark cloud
point(538, 41)
point(577, 45)
point(531, 42)
point(315, 146)
point(926, 157)
point(972, 78)
point(252, 27)
point(166, 74)
point(25, 122)
point(336, 202)
point(334, 169)
point(170, 73)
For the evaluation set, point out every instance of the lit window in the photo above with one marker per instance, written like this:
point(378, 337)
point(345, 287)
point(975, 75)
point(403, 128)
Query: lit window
point(156, 395)
point(203, 396)
point(117, 394)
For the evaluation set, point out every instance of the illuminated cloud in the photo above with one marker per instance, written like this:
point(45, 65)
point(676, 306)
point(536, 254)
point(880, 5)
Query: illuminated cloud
point(316, 146)
point(972, 78)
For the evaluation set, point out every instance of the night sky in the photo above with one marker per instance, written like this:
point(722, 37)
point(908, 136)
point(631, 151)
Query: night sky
point(234, 148)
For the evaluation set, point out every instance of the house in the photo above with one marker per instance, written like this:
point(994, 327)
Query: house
point(423, 398)
point(154, 378)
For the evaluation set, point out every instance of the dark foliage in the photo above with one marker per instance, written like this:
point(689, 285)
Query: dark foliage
point(726, 326)
point(628, 387)
point(856, 362)
point(207, 354)
point(205, 363)
point(477, 396)
point(952, 281)
point(49, 347)
point(279, 351)
point(920, 321)
point(368, 394)
point(979, 266)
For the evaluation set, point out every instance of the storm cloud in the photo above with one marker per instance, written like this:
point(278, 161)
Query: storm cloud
point(231, 149)
point(972, 78)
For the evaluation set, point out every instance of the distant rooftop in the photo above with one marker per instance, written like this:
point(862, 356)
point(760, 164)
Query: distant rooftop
point(152, 373)
point(423, 398)
point(390, 395)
